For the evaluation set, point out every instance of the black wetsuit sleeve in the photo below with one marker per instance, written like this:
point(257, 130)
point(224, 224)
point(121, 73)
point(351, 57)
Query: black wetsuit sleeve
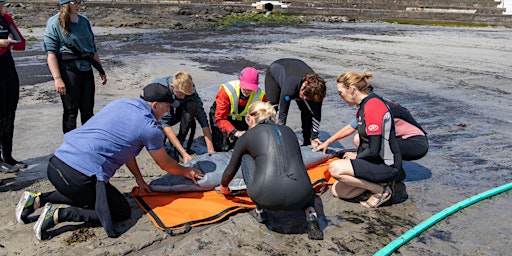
point(200, 114)
point(316, 108)
point(234, 163)
point(284, 103)
point(373, 150)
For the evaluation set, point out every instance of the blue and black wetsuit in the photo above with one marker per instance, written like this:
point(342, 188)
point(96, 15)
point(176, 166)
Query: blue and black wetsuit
point(273, 169)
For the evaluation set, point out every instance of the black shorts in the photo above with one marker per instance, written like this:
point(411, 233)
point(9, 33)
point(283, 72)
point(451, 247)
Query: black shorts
point(413, 148)
point(376, 173)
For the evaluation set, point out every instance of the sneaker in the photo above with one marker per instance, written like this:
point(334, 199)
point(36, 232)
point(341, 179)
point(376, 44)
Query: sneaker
point(314, 231)
point(260, 217)
point(21, 165)
point(15, 163)
point(25, 207)
point(45, 222)
point(7, 168)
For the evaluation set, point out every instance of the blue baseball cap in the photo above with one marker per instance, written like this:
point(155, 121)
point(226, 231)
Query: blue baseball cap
point(63, 1)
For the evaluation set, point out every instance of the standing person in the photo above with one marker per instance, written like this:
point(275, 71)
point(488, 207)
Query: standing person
point(82, 166)
point(186, 108)
point(292, 79)
point(273, 166)
point(230, 108)
point(69, 44)
point(378, 162)
point(10, 39)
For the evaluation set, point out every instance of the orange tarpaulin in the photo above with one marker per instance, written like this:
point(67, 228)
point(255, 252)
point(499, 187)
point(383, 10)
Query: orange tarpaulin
point(177, 213)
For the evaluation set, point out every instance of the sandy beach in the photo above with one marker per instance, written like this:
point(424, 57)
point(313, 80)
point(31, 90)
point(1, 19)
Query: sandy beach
point(455, 81)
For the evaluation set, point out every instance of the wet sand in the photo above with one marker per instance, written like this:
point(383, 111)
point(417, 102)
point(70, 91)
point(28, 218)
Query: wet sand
point(455, 81)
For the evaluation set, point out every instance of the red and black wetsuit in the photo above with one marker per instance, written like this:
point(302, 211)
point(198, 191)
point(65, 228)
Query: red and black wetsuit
point(378, 156)
point(9, 84)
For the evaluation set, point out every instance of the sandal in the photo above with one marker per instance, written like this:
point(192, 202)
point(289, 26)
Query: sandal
point(380, 198)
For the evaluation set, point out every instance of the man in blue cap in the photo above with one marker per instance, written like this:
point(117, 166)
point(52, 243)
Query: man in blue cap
point(91, 154)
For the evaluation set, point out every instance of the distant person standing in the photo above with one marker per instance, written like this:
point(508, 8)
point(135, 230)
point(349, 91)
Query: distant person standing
point(69, 43)
point(292, 79)
point(10, 39)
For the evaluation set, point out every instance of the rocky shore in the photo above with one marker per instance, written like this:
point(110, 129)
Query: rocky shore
point(453, 80)
point(140, 15)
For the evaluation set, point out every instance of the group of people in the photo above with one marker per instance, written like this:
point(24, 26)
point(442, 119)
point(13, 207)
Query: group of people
point(243, 118)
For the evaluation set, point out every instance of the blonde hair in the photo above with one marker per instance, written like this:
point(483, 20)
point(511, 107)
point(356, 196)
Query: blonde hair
point(261, 110)
point(358, 81)
point(182, 81)
point(64, 18)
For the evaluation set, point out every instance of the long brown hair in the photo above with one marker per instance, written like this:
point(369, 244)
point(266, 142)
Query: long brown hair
point(65, 18)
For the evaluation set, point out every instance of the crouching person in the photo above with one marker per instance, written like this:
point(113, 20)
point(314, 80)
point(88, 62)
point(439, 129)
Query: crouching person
point(272, 166)
point(90, 155)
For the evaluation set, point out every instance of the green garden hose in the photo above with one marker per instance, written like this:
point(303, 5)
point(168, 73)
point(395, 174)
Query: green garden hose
point(407, 236)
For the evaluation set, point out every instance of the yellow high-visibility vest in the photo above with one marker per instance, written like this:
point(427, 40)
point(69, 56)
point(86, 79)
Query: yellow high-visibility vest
point(232, 89)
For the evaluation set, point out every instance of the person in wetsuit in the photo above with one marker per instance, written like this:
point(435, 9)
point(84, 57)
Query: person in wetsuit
point(378, 162)
point(411, 137)
point(272, 165)
point(10, 39)
point(291, 79)
point(71, 50)
point(186, 108)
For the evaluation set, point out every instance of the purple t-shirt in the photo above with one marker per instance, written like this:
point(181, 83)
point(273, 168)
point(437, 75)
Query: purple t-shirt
point(111, 138)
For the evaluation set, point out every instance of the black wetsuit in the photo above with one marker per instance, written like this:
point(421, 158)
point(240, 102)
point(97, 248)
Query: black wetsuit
point(273, 169)
point(282, 85)
point(9, 89)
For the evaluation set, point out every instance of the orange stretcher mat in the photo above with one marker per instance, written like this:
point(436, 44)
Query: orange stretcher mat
point(177, 212)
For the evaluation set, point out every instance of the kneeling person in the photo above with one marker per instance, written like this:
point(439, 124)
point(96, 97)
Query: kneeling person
point(230, 108)
point(273, 166)
point(82, 166)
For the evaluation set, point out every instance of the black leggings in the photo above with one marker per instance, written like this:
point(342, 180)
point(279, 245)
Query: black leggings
point(79, 191)
point(79, 94)
point(9, 95)
point(222, 141)
point(272, 90)
point(186, 114)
